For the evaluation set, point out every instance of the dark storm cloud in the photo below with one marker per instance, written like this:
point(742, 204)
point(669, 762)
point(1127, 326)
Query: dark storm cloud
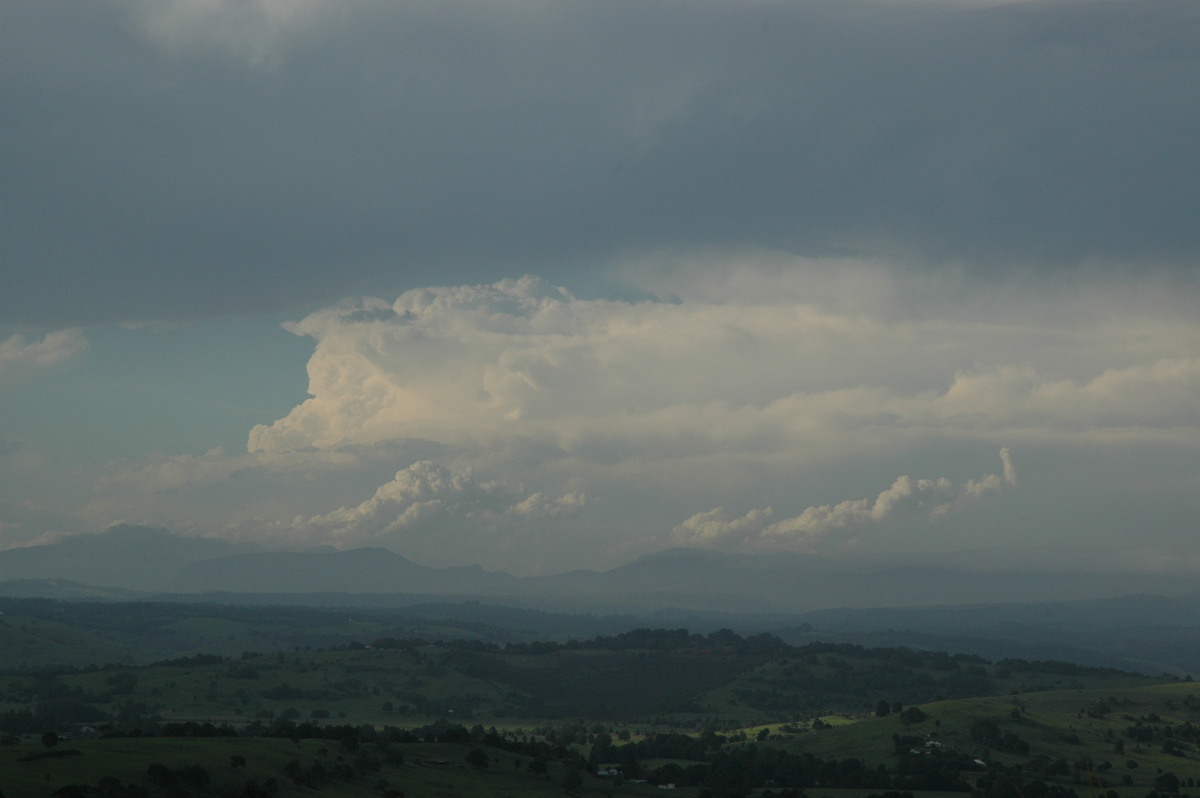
point(148, 175)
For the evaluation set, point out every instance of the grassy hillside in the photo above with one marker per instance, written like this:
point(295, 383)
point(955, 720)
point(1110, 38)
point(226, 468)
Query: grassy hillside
point(1122, 738)
point(256, 766)
point(733, 715)
point(30, 642)
point(39, 632)
point(664, 678)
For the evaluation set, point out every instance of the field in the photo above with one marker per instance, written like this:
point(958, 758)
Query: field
point(715, 715)
point(414, 770)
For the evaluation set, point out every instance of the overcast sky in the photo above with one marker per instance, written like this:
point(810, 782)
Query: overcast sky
point(549, 285)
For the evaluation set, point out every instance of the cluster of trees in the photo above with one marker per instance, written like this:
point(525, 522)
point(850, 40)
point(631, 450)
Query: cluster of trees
point(317, 774)
point(718, 769)
point(188, 776)
point(1011, 783)
point(194, 661)
point(193, 729)
point(987, 732)
point(1174, 739)
point(1008, 666)
point(285, 692)
point(635, 675)
point(55, 713)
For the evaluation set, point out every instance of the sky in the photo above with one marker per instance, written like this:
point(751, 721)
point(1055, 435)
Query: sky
point(543, 285)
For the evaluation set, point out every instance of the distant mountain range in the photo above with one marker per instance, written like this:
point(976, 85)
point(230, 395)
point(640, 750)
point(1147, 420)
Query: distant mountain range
point(1050, 604)
point(152, 561)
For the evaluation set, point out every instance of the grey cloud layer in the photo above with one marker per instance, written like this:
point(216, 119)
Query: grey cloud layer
point(187, 158)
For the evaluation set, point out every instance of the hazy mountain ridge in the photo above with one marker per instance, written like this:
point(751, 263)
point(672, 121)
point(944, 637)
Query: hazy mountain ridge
point(126, 556)
point(1132, 620)
point(1151, 634)
point(368, 570)
point(156, 561)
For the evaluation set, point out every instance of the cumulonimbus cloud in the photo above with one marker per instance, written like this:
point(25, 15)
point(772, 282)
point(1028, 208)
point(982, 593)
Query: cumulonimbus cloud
point(906, 498)
point(482, 366)
point(660, 408)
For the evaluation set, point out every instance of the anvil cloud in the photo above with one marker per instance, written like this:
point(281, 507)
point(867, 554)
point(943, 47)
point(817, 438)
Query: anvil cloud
point(520, 414)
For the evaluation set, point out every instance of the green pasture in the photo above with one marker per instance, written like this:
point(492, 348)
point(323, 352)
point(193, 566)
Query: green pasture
point(28, 642)
point(427, 771)
point(1084, 728)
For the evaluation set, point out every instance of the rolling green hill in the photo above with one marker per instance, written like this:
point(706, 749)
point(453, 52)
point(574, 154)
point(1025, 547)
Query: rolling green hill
point(718, 714)
point(254, 767)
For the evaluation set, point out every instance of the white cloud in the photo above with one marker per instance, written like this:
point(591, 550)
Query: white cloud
point(256, 31)
point(21, 358)
point(478, 418)
point(907, 497)
point(438, 515)
point(1159, 394)
point(481, 366)
point(32, 523)
point(429, 511)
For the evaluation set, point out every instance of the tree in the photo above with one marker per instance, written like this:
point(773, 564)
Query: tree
point(160, 774)
point(1167, 782)
point(194, 775)
point(602, 748)
point(122, 683)
point(110, 787)
point(572, 780)
point(69, 791)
